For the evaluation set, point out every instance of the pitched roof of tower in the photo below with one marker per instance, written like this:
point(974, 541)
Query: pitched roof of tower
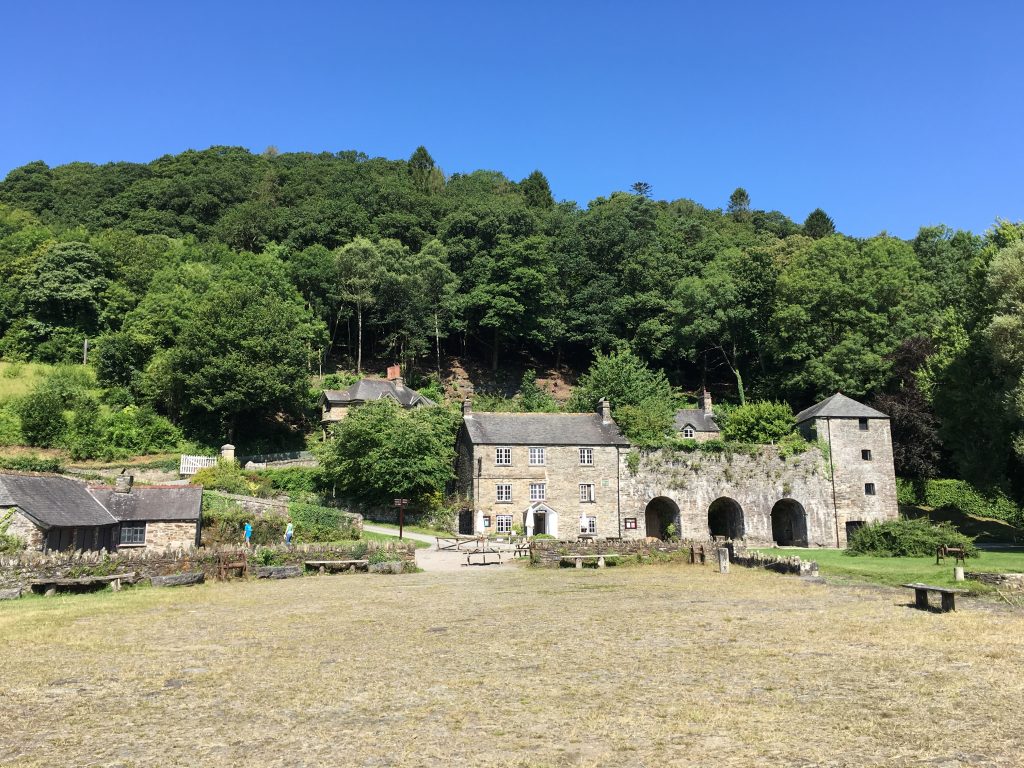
point(839, 406)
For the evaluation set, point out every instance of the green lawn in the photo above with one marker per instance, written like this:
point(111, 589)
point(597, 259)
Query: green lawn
point(367, 536)
point(411, 529)
point(903, 570)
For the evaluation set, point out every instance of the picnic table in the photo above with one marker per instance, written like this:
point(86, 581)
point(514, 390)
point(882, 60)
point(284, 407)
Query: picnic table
point(455, 542)
point(483, 553)
point(49, 587)
point(921, 596)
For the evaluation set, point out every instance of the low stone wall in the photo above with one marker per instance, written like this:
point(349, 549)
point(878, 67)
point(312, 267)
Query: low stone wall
point(794, 565)
point(548, 553)
point(19, 569)
point(1013, 581)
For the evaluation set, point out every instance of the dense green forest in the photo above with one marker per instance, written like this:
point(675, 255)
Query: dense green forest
point(211, 284)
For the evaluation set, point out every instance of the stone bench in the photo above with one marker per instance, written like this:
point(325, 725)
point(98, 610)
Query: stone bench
point(921, 596)
point(50, 587)
point(580, 558)
point(333, 566)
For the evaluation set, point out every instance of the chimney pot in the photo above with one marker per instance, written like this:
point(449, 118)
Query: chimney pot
point(467, 408)
point(123, 483)
point(399, 383)
point(394, 372)
point(605, 409)
point(708, 409)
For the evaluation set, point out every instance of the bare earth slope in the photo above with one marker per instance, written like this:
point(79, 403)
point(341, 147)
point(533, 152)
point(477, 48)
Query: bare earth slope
point(665, 665)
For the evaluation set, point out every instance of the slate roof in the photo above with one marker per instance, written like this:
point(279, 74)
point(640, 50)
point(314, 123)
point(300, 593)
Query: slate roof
point(541, 429)
point(53, 501)
point(839, 406)
point(695, 417)
point(374, 389)
point(152, 502)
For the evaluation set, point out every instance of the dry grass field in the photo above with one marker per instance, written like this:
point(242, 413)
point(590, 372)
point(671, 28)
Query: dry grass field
point(662, 665)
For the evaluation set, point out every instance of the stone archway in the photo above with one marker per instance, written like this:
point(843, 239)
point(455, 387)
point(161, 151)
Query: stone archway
point(725, 519)
point(789, 523)
point(661, 512)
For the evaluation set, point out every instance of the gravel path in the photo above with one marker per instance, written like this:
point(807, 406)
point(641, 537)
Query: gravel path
point(435, 560)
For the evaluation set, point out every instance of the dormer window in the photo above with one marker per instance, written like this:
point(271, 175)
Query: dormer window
point(689, 432)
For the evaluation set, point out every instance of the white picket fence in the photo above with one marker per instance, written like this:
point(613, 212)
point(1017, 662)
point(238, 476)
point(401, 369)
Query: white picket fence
point(192, 464)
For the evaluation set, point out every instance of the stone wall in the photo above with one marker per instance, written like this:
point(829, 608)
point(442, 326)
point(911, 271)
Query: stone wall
point(1013, 581)
point(171, 534)
point(747, 486)
point(19, 569)
point(548, 553)
point(23, 528)
point(255, 506)
point(794, 565)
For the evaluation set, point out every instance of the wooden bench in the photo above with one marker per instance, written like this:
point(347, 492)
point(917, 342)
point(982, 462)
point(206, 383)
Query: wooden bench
point(49, 587)
point(943, 552)
point(482, 554)
point(522, 549)
point(333, 566)
point(578, 559)
point(921, 596)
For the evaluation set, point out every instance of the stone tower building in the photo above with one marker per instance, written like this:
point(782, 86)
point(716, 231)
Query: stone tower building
point(862, 473)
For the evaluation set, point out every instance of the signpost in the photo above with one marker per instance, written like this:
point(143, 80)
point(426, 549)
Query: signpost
point(400, 503)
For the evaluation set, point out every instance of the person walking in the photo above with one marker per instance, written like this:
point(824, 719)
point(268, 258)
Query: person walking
point(288, 533)
point(248, 535)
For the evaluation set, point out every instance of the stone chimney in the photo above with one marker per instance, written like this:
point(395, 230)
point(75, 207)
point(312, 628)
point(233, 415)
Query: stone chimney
point(467, 408)
point(394, 372)
point(123, 483)
point(708, 410)
point(605, 409)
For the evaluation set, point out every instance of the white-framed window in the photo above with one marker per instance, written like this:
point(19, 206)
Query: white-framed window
point(688, 432)
point(586, 492)
point(504, 524)
point(588, 524)
point(133, 534)
point(503, 457)
point(587, 457)
point(536, 456)
point(538, 491)
point(503, 492)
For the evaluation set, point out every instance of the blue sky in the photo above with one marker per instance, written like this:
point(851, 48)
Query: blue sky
point(887, 115)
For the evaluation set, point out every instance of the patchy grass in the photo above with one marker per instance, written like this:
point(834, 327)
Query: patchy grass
point(514, 667)
point(16, 379)
point(902, 570)
point(368, 536)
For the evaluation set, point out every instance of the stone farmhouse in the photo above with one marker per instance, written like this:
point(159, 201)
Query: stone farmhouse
point(54, 513)
point(336, 403)
point(576, 476)
point(698, 423)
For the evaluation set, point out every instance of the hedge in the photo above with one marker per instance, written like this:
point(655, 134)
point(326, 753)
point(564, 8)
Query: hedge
point(907, 538)
point(960, 495)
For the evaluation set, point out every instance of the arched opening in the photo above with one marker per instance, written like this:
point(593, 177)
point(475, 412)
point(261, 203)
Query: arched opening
point(725, 519)
point(661, 512)
point(789, 523)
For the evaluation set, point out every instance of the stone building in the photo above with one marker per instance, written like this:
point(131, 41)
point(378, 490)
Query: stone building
point(698, 423)
point(335, 403)
point(813, 499)
point(544, 473)
point(50, 512)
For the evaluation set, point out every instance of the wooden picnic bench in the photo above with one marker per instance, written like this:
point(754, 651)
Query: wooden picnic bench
point(578, 559)
point(921, 596)
point(483, 553)
point(49, 587)
point(942, 552)
point(522, 549)
point(455, 542)
point(333, 566)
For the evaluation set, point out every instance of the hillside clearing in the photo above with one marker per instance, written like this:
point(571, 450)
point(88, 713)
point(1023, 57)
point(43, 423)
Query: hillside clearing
point(645, 666)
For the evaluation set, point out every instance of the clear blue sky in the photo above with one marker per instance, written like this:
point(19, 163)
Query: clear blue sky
point(889, 115)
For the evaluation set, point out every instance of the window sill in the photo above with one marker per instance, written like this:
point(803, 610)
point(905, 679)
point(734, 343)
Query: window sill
point(502, 502)
point(128, 546)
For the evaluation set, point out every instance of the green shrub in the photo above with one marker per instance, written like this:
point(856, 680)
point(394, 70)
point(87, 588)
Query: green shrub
point(293, 480)
point(31, 463)
point(317, 523)
point(9, 543)
point(228, 477)
point(793, 444)
point(957, 494)
point(758, 422)
point(224, 522)
point(41, 412)
point(543, 536)
point(10, 425)
point(267, 557)
point(382, 555)
point(907, 538)
point(134, 431)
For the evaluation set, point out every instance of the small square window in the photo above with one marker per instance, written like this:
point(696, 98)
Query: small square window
point(536, 457)
point(587, 457)
point(133, 534)
point(863, 424)
point(586, 492)
point(504, 524)
point(866, 454)
point(538, 491)
point(487, 521)
point(869, 489)
point(629, 523)
point(503, 492)
point(503, 457)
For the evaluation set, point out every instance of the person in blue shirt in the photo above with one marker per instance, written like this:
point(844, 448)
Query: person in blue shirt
point(288, 533)
point(248, 534)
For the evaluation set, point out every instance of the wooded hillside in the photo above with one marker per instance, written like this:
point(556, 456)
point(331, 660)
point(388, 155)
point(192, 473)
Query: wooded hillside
point(210, 285)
